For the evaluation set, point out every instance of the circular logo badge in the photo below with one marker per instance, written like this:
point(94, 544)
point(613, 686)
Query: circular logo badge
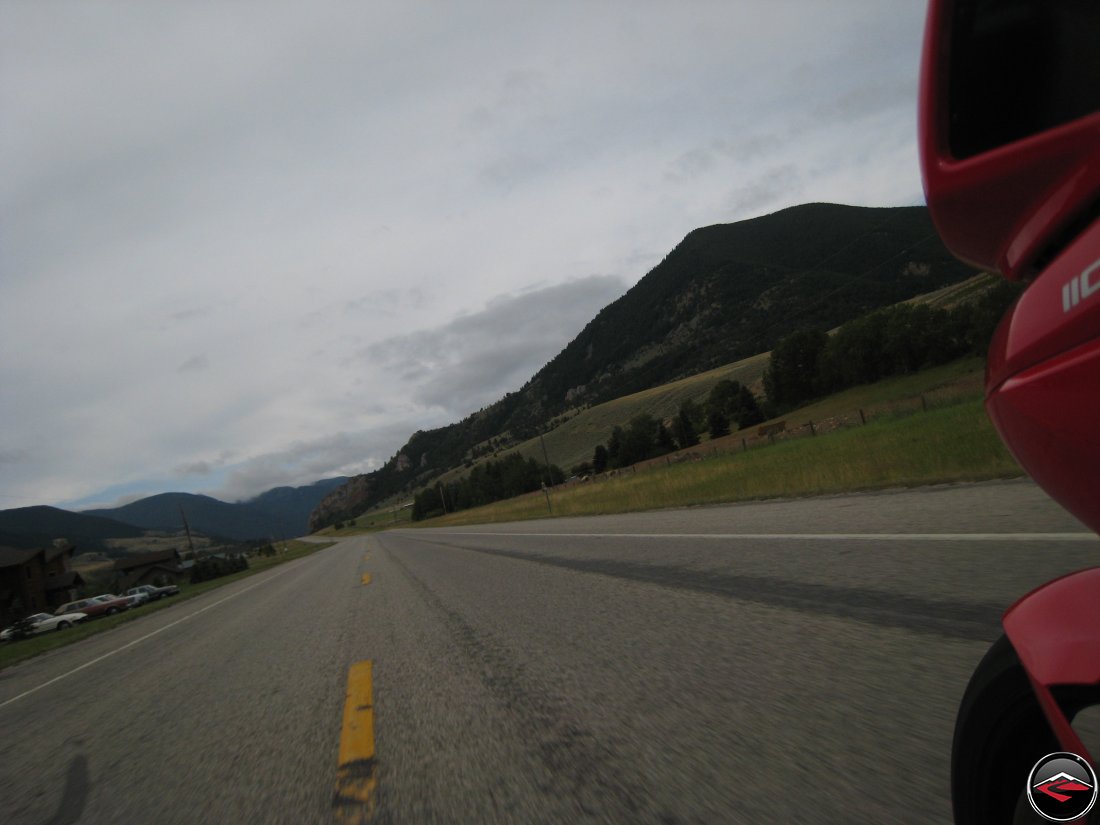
point(1062, 787)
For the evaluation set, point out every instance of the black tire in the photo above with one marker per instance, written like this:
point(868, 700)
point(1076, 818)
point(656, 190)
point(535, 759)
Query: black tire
point(63, 625)
point(1000, 733)
point(112, 611)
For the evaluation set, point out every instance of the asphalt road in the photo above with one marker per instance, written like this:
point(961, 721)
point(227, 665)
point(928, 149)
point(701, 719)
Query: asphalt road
point(795, 661)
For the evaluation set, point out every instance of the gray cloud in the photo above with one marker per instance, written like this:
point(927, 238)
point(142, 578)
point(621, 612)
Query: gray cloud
point(195, 363)
point(392, 301)
point(260, 202)
point(765, 192)
point(205, 467)
point(190, 313)
point(521, 91)
point(13, 456)
point(306, 461)
point(477, 358)
point(870, 99)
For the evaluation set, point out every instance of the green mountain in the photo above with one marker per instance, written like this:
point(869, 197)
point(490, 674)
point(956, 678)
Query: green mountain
point(734, 290)
point(724, 293)
point(292, 505)
point(39, 526)
point(279, 513)
point(204, 514)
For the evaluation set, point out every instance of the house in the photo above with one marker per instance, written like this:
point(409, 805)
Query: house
point(36, 579)
point(157, 569)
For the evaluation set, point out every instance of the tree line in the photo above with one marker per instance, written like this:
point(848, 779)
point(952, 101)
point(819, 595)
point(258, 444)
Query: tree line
point(214, 567)
point(510, 476)
point(897, 340)
point(645, 437)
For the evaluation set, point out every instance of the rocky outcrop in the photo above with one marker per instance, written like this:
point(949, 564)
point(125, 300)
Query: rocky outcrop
point(345, 502)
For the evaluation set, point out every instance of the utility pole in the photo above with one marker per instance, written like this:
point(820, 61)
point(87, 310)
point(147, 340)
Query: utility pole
point(546, 460)
point(442, 497)
point(187, 527)
point(549, 477)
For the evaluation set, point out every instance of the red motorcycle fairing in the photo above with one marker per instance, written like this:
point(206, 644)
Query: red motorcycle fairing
point(1055, 631)
point(1003, 206)
point(1009, 126)
point(1043, 395)
point(1043, 379)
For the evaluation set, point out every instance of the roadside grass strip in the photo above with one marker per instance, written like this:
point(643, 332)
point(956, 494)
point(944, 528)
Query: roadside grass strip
point(356, 772)
point(953, 443)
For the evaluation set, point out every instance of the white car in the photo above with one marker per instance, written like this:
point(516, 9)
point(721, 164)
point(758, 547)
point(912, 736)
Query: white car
point(45, 622)
point(136, 597)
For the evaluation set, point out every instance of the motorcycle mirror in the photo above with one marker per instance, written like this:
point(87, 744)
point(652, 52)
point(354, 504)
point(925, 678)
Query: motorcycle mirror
point(1009, 123)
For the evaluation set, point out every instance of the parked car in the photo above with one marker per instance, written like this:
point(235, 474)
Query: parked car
point(42, 623)
point(153, 593)
point(115, 604)
point(136, 598)
point(103, 605)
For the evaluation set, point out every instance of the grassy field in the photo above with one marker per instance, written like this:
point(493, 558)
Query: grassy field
point(955, 294)
point(11, 652)
point(573, 441)
point(372, 521)
point(925, 428)
point(946, 444)
point(960, 380)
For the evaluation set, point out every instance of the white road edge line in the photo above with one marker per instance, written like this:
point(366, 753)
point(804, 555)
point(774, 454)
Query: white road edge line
point(799, 536)
point(143, 638)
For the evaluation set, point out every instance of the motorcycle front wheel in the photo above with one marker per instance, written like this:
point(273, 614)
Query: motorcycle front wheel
point(1000, 733)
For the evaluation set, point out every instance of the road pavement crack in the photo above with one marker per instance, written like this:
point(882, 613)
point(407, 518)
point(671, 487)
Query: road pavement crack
point(576, 765)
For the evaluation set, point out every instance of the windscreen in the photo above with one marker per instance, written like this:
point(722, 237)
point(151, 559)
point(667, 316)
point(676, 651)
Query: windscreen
point(1019, 67)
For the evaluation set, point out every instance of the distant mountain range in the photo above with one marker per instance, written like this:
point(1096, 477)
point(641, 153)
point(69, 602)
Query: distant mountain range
point(724, 293)
point(282, 512)
point(39, 526)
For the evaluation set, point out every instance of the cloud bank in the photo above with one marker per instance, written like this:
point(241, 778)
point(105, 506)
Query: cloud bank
point(252, 244)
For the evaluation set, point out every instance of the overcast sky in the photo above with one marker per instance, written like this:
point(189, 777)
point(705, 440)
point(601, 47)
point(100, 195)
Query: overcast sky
point(252, 244)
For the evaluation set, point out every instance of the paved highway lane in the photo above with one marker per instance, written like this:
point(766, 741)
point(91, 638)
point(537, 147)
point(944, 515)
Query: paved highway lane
point(230, 713)
point(574, 670)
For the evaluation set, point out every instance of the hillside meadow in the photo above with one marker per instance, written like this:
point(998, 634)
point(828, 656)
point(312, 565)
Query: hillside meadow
point(925, 428)
point(945, 444)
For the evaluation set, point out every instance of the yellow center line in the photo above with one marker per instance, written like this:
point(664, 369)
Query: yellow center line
point(356, 771)
point(366, 578)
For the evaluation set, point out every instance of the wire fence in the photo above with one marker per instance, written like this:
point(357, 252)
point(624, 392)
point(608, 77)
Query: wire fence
point(791, 428)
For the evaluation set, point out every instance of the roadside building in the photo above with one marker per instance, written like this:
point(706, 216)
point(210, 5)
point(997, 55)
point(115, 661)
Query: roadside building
point(36, 579)
point(158, 569)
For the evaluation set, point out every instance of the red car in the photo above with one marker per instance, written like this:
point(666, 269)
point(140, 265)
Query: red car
point(104, 605)
point(1010, 150)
